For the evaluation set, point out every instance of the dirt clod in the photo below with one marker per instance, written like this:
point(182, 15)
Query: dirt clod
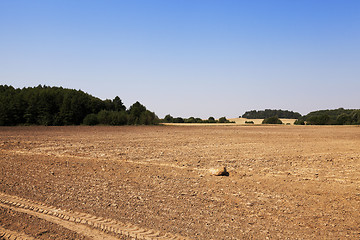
point(219, 171)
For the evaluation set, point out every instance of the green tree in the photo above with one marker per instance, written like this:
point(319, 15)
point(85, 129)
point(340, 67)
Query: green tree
point(118, 104)
point(272, 120)
point(267, 113)
point(104, 117)
point(322, 119)
point(355, 117)
point(179, 120)
point(91, 119)
point(249, 122)
point(118, 118)
point(168, 119)
point(135, 112)
point(299, 122)
point(343, 119)
point(223, 120)
point(45, 105)
point(148, 118)
point(190, 120)
point(211, 120)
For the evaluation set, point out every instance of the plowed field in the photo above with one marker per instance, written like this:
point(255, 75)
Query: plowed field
point(285, 182)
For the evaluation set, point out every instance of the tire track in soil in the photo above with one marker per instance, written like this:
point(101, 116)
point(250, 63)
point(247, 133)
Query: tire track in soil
point(148, 161)
point(12, 235)
point(82, 223)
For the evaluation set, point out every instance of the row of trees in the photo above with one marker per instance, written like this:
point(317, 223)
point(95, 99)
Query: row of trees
point(267, 113)
point(169, 119)
point(43, 105)
point(338, 116)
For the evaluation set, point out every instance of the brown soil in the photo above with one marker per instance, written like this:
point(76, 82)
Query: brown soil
point(295, 182)
point(33, 226)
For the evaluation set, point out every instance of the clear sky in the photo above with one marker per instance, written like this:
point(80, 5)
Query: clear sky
point(187, 58)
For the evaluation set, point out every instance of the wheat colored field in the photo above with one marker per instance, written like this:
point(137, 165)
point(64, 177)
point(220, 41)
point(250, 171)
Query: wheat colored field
point(153, 182)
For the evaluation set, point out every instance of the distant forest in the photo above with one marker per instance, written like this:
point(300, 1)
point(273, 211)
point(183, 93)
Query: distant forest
point(43, 105)
point(338, 116)
point(170, 119)
point(268, 113)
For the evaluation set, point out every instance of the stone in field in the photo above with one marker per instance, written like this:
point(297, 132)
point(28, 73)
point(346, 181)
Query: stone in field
point(220, 171)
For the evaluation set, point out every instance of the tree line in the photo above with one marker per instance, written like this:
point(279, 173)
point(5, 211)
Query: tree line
point(44, 105)
point(268, 113)
point(338, 116)
point(170, 119)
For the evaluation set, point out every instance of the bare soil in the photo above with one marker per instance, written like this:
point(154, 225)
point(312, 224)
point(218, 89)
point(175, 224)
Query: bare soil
point(33, 226)
point(285, 182)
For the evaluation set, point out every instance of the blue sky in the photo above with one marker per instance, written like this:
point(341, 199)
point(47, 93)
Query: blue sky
point(187, 58)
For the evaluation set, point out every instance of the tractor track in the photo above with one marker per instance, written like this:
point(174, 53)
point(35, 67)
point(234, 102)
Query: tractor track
point(12, 235)
point(82, 223)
